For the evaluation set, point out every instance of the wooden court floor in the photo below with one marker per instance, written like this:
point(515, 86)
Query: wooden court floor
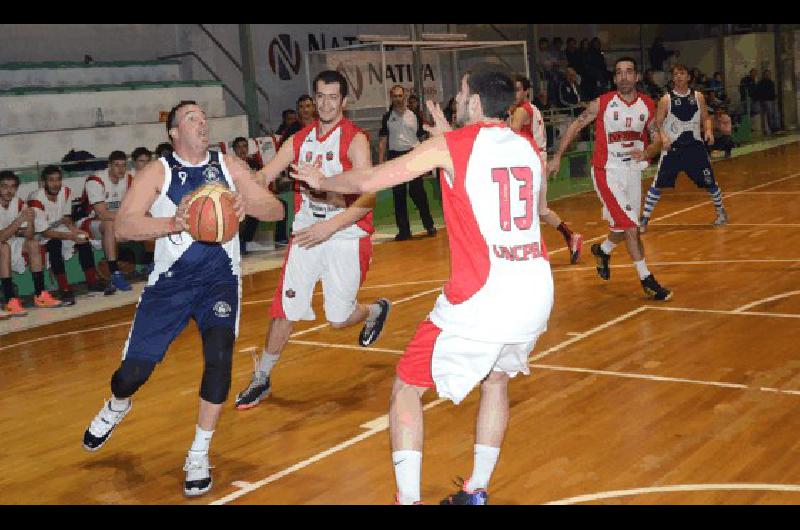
point(696, 400)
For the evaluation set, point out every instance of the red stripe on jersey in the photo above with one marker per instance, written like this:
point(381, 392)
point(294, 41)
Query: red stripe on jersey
point(36, 203)
point(364, 256)
point(300, 137)
point(414, 367)
point(67, 191)
point(600, 156)
point(469, 253)
point(277, 311)
point(20, 204)
point(349, 132)
point(621, 220)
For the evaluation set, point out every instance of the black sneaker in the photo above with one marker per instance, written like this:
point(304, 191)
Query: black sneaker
point(95, 288)
point(256, 391)
point(99, 431)
point(654, 290)
point(372, 328)
point(476, 497)
point(198, 474)
point(109, 289)
point(66, 297)
point(402, 237)
point(603, 270)
point(431, 231)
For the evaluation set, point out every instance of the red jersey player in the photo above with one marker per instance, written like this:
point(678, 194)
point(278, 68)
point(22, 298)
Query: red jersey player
point(500, 293)
point(623, 121)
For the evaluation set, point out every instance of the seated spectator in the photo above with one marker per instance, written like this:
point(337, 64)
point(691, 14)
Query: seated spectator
point(651, 88)
point(306, 113)
point(574, 56)
point(58, 234)
point(17, 242)
point(102, 196)
point(558, 54)
point(288, 117)
point(141, 156)
point(569, 93)
point(715, 84)
point(163, 149)
point(723, 128)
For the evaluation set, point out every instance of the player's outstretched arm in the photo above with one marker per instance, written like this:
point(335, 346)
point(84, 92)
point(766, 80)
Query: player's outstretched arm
point(585, 118)
point(426, 156)
point(133, 222)
point(279, 162)
point(256, 199)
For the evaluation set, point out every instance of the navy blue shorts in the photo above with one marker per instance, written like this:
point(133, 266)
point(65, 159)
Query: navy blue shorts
point(692, 159)
point(165, 309)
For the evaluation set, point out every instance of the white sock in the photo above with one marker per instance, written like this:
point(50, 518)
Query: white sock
point(607, 246)
point(374, 311)
point(407, 471)
point(202, 439)
point(268, 361)
point(118, 405)
point(485, 460)
point(641, 268)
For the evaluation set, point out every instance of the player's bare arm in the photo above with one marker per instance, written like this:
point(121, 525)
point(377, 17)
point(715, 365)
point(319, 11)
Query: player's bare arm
point(585, 118)
point(430, 154)
point(25, 216)
point(102, 211)
point(279, 162)
point(254, 199)
point(655, 143)
point(382, 141)
point(705, 118)
point(543, 209)
point(133, 222)
point(661, 115)
point(440, 123)
point(519, 119)
point(359, 155)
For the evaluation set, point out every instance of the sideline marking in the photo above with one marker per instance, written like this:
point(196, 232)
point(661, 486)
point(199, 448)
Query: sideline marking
point(676, 488)
point(765, 300)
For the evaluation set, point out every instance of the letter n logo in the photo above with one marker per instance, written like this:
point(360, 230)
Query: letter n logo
point(280, 57)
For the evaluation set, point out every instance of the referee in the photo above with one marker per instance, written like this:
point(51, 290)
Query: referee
point(401, 131)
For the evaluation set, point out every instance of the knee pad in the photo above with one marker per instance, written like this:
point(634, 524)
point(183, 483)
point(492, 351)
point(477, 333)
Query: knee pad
point(56, 259)
point(218, 354)
point(131, 374)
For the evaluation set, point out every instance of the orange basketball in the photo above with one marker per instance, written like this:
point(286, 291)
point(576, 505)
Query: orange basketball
point(211, 216)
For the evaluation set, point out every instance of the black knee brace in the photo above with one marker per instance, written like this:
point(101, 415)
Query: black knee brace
point(131, 374)
point(218, 353)
point(56, 259)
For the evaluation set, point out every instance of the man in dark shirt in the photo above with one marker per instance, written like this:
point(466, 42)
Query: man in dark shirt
point(289, 117)
point(765, 90)
point(747, 92)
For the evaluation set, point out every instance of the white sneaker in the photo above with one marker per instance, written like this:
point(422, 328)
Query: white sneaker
point(722, 218)
point(198, 474)
point(99, 431)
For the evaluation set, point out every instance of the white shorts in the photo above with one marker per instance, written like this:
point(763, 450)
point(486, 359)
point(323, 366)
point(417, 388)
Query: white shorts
point(18, 263)
point(620, 191)
point(341, 264)
point(91, 226)
point(455, 365)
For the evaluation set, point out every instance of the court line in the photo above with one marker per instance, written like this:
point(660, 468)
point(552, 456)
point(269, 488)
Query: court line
point(710, 226)
point(381, 423)
point(765, 300)
point(76, 332)
point(725, 312)
point(672, 263)
point(677, 488)
point(343, 346)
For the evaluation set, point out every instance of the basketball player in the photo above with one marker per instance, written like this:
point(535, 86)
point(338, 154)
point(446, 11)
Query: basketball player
point(526, 119)
point(500, 293)
point(58, 233)
point(191, 280)
point(623, 120)
point(330, 239)
point(681, 115)
point(18, 245)
point(103, 195)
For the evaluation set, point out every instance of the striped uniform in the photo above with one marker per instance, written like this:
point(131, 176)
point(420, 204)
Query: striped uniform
point(50, 216)
point(500, 292)
point(100, 188)
point(342, 261)
point(17, 244)
point(620, 128)
point(191, 279)
point(535, 127)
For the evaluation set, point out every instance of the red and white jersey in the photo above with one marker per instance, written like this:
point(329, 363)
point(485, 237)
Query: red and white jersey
point(534, 129)
point(10, 213)
point(328, 152)
point(100, 188)
point(50, 213)
point(500, 288)
point(621, 127)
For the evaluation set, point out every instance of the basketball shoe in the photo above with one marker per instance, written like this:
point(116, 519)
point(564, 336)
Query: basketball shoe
point(119, 281)
point(654, 290)
point(14, 308)
point(575, 248)
point(198, 474)
point(373, 327)
point(255, 392)
point(722, 218)
point(46, 300)
point(99, 431)
point(67, 297)
point(477, 497)
point(603, 270)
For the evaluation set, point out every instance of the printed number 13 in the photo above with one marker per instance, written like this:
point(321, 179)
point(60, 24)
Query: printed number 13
point(524, 175)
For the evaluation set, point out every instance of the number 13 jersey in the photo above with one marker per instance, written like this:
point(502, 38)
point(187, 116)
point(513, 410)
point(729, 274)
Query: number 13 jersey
point(500, 287)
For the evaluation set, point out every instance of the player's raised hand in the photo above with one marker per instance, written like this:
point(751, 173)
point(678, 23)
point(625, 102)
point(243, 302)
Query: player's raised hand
point(440, 123)
point(309, 174)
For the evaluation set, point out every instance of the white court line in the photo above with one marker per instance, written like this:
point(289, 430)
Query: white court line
point(671, 263)
point(631, 375)
point(725, 312)
point(344, 346)
point(712, 227)
point(381, 423)
point(108, 326)
point(765, 300)
point(677, 488)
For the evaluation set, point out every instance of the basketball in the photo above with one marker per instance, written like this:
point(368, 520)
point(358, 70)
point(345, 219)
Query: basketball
point(211, 215)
